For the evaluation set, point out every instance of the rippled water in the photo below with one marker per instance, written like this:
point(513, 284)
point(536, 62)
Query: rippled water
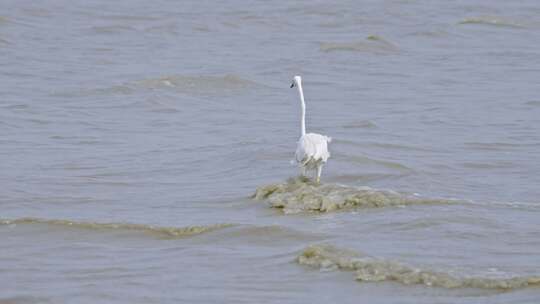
point(146, 152)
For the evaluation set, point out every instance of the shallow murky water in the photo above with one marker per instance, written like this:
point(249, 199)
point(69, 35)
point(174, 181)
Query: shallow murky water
point(146, 147)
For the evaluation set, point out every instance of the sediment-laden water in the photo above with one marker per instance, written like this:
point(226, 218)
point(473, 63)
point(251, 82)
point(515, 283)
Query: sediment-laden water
point(370, 269)
point(146, 147)
point(301, 194)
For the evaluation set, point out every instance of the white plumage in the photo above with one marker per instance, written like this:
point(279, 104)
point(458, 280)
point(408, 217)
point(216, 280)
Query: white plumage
point(312, 150)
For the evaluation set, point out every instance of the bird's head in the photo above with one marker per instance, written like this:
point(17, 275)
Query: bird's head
point(297, 80)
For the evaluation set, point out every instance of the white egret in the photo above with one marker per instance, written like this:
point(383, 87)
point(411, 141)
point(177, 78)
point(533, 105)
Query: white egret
point(312, 150)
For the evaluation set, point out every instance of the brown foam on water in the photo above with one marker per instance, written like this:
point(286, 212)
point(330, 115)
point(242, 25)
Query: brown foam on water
point(369, 269)
point(372, 44)
point(492, 21)
point(302, 195)
point(196, 85)
point(166, 232)
point(200, 84)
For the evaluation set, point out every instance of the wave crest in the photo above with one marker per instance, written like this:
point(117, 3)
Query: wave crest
point(372, 44)
point(200, 84)
point(189, 85)
point(301, 194)
point(164, 232)
point(375, 270)
point(493, 21)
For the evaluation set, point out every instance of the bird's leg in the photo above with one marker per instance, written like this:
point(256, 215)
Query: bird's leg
point(319, 170)
point(302, 171)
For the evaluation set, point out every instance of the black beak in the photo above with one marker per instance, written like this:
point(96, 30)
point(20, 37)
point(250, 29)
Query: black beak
point(292, 85)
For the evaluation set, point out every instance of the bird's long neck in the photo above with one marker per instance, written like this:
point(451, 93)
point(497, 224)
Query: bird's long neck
point(303, 122)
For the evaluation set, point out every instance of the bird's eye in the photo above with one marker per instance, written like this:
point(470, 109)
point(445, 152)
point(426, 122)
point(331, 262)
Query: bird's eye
point(292, 85)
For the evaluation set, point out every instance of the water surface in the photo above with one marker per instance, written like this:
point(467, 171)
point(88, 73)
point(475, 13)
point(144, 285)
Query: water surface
point(135, 133)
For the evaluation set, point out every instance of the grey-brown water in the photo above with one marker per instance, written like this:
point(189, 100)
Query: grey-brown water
point(146, 146)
